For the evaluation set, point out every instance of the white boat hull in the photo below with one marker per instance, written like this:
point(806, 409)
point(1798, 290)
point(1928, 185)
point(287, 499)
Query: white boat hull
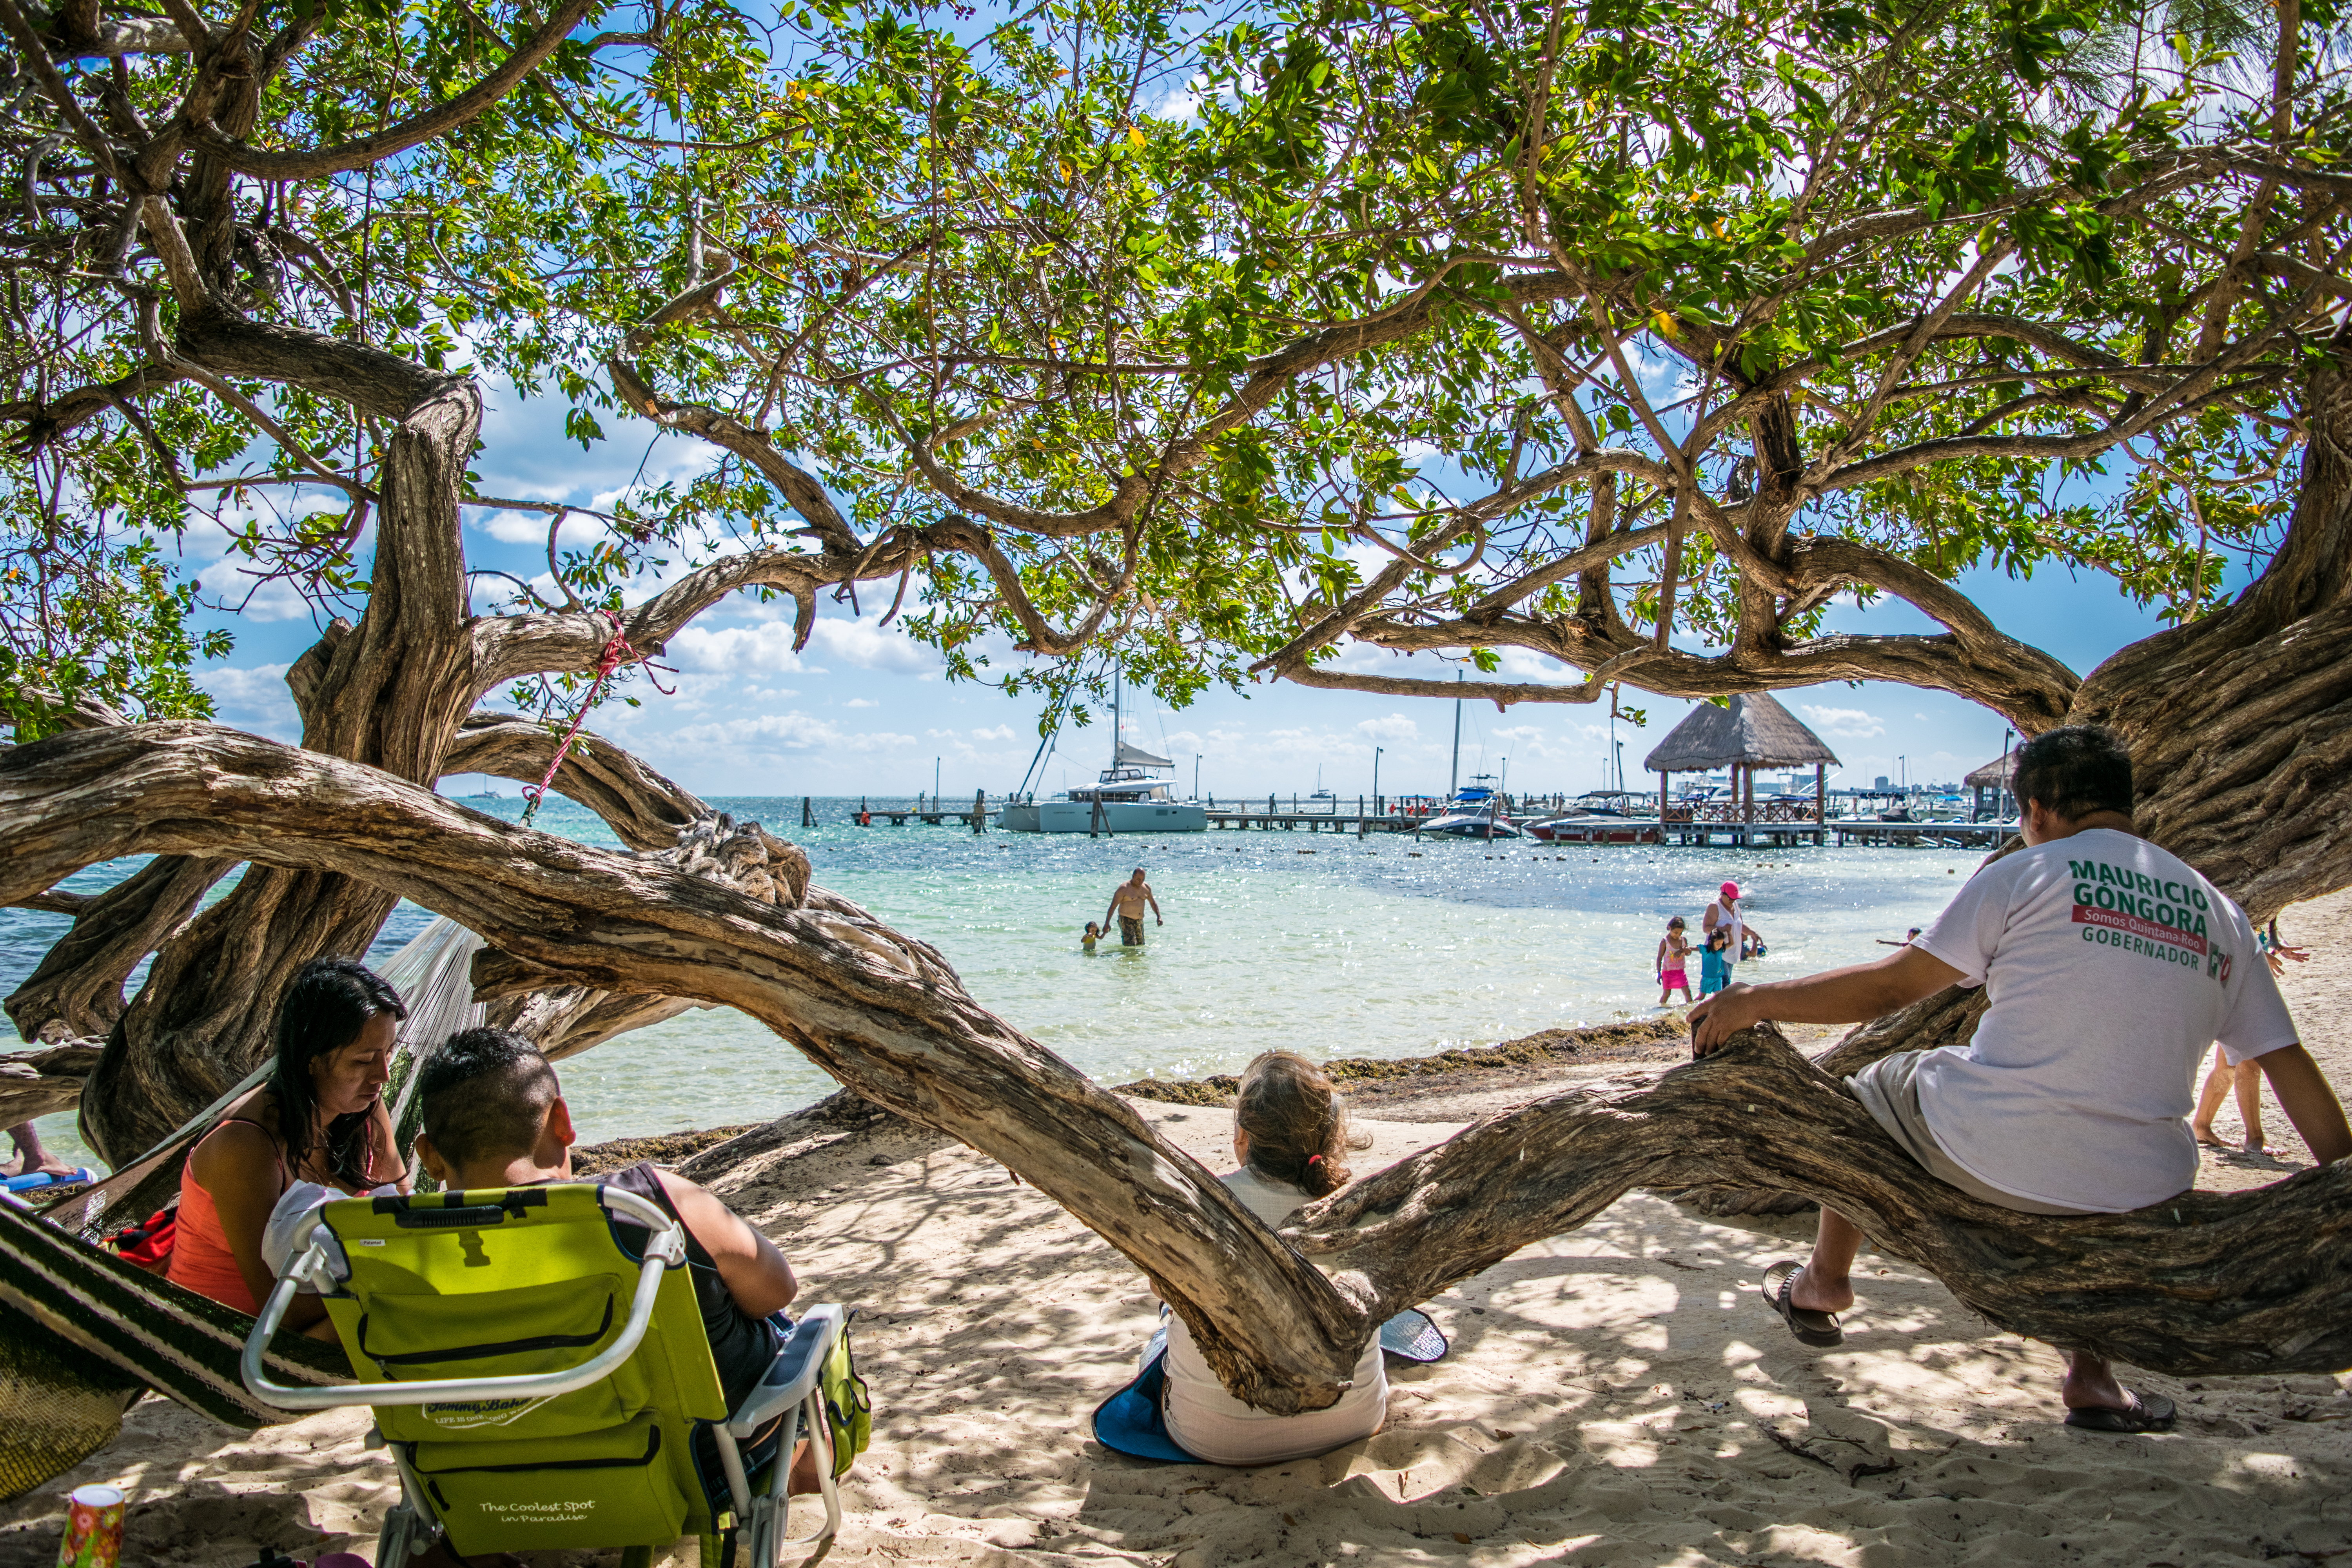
point(1117, 817)
point(1459, 826)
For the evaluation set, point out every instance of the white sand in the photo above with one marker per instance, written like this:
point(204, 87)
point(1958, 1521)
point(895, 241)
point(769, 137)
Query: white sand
point(1615, 1396)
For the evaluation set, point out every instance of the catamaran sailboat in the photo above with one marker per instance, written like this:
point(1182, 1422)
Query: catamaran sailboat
point(1126, 798)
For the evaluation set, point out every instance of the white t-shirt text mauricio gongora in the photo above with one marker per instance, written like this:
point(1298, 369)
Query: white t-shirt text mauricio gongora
point(2110, 967)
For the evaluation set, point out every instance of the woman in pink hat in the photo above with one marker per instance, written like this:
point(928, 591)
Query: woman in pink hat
point(1725, 912)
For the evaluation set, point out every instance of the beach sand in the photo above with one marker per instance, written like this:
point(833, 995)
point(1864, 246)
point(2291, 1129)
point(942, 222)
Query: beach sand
point(1619, 1396)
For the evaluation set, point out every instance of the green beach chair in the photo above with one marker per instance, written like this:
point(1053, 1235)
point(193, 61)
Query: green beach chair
point(538, 1384)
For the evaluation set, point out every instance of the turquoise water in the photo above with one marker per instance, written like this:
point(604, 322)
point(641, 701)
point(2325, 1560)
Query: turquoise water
point(1381, 947)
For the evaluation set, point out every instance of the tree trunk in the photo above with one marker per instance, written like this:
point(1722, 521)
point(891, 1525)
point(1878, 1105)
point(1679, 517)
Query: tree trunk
point(389, 694)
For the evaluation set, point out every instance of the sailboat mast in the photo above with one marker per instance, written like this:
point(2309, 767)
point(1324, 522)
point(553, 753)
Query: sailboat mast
point(1453, 773)
point(1114, 716)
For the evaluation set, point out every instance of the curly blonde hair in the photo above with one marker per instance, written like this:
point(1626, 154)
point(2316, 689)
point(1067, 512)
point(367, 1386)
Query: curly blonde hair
point(1296, 1123)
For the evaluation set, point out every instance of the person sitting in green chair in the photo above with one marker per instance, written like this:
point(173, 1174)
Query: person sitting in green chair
point(493, 1116)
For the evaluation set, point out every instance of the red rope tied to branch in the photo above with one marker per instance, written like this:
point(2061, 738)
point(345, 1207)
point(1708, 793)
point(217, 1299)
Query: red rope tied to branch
point(617, 653)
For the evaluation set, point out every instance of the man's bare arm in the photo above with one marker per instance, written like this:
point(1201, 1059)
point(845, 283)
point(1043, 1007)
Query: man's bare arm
point(2304, 1094)
point(1155, 905)
point(1845, 996)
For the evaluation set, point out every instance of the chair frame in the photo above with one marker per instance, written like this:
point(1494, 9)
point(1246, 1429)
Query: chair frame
point(790, 1389)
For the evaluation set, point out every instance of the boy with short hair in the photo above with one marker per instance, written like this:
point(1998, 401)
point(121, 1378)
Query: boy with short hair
point(494, 1116)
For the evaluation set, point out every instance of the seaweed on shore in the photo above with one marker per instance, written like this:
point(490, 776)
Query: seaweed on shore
point(1645, 1039)
point(666, 1149)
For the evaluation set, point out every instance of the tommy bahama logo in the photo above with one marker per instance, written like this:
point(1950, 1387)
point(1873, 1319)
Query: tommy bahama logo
point(2120, 907)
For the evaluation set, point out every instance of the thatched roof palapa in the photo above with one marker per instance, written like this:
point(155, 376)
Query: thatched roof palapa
point(1754, 731)
point(1999, 773)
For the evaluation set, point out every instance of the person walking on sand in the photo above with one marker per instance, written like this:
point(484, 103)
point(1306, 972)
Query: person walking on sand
point(1127, 902)
point(2110, 966)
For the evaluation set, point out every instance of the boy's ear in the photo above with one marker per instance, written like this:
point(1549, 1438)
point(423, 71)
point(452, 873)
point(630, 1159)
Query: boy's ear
point(435, 1164)
point(558, 1124)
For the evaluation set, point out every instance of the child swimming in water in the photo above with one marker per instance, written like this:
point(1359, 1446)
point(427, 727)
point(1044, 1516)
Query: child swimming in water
point(1094, 935)
point(1674, 951)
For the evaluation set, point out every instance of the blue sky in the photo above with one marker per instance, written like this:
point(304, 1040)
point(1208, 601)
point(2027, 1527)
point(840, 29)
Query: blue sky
point(865, 710)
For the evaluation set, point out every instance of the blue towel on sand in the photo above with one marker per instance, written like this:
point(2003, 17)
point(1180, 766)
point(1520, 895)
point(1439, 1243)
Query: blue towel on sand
point(40, 1179)
point(1130, 1421)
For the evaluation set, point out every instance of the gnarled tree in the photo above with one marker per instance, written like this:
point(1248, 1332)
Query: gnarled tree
point(1709, 313)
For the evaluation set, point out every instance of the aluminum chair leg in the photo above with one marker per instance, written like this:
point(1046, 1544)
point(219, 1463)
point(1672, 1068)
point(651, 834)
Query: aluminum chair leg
point(821, 1448)
point(766, 1525)
point(409, 1523)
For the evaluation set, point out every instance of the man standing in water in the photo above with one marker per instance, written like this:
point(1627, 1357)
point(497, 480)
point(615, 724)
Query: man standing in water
point(1126, 901)
point(2111, 967)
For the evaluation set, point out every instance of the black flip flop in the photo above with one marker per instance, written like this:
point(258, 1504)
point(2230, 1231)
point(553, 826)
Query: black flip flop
point(2149, 1413)
point(1819, 1330)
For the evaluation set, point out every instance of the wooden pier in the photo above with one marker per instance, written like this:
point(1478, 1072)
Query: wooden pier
point(1766, 831)
point(1361, 823)
point(1841, 831)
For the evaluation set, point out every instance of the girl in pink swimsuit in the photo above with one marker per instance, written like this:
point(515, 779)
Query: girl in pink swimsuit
point(1673, 954)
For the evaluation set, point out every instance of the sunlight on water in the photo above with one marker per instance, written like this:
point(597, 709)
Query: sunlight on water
point(1358, 949)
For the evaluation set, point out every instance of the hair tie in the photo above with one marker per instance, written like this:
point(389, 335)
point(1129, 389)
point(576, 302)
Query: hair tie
point(1314, 1159)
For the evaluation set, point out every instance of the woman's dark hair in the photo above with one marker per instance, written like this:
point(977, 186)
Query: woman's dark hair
point(324, 1010)
point(1297, 1127)
point(2073, 771)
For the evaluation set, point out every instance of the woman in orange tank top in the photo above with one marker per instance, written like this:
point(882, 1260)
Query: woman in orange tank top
point(320, 1117)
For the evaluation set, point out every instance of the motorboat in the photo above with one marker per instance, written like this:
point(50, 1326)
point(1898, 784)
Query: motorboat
point(1594, 827)
point(1474, 812)
point(1124, 798)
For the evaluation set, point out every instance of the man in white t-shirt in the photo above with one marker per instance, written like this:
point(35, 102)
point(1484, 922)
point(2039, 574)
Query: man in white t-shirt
point(2110, 967)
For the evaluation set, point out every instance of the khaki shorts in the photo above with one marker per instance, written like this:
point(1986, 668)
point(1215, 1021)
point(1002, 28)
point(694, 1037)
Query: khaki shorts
point(1889, 1089)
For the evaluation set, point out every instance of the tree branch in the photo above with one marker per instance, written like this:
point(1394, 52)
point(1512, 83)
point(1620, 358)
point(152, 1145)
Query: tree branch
point(417, 129)
point(646, 810)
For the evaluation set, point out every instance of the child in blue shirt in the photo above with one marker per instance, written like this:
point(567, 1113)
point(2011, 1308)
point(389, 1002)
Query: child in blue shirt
point(1714, 965)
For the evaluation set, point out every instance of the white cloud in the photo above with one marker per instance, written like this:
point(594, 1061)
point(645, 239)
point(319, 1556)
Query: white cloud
point(252, 599)
point(1000, 733)
point(767, 645)
point(861, 703)
point(869, 645)
point(1844, 723)
point(792, 731)
point(731, 650)
point(254, 700)
point(1394, 730)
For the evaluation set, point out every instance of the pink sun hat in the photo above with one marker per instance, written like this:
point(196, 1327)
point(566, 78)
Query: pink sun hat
point(1730, 890)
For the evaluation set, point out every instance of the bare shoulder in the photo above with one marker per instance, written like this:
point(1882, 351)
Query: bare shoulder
point(233, 1149)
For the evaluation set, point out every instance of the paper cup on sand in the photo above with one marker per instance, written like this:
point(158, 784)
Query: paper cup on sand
point(93, 1528)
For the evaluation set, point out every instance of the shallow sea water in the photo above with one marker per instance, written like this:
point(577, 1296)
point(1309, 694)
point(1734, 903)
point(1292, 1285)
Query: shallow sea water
point(1381, 947)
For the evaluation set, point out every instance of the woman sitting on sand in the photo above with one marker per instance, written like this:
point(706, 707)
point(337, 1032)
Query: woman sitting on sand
point(1290, 1135)
point(319, 1118)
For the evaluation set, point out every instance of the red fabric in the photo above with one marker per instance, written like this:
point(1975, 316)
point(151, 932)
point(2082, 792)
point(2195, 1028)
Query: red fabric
point(148, 1245)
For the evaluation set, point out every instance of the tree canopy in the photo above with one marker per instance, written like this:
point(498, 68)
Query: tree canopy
point(1629, 335)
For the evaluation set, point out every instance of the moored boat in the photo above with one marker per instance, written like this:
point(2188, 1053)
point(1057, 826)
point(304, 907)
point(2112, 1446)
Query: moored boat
point(1124, 798)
